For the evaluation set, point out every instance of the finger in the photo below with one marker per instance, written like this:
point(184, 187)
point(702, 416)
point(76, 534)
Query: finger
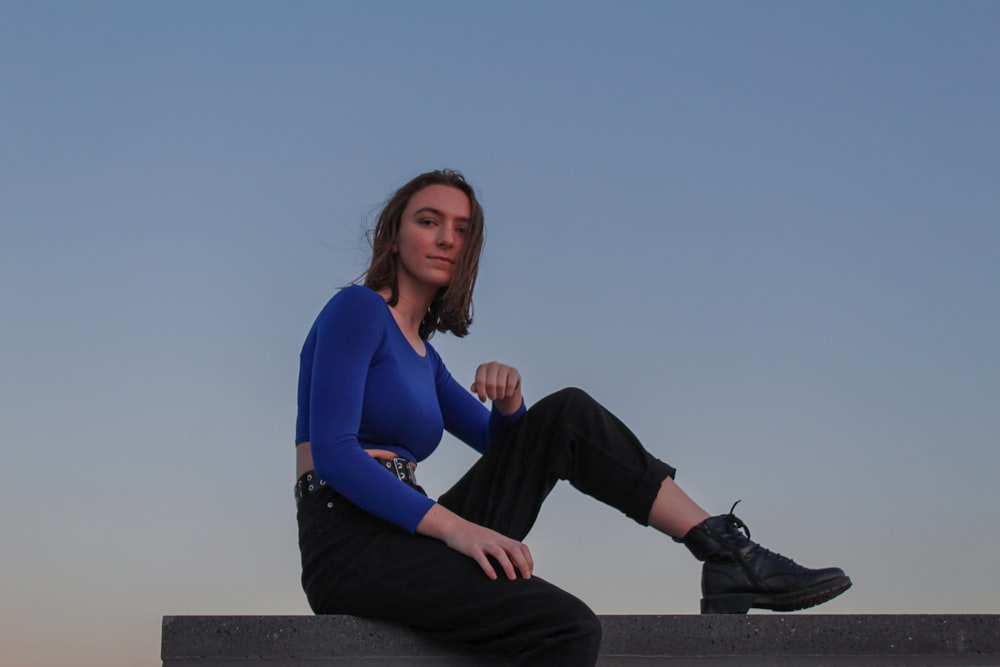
point(492, 382)
point(513, 382)
point(504, 377)
point(529, 560)
point(480, 383)
point(506, 380)
point(505, 563)
point(487, 567)
point(475, 390)
point(521, 561)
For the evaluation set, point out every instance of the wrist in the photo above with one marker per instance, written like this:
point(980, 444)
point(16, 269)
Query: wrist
point(510, 405)
point(439, 523)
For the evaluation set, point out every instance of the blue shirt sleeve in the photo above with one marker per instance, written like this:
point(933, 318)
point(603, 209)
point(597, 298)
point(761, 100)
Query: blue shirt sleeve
point(464, 416)
point(342, 345)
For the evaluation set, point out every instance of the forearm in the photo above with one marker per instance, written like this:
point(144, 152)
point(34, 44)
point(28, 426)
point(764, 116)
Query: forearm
point(477, 542)
point(440, 523)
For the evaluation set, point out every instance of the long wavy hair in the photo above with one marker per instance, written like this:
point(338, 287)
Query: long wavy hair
point(451, 310)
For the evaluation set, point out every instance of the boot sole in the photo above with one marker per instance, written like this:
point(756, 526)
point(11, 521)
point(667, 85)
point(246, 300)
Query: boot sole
point(741, 603)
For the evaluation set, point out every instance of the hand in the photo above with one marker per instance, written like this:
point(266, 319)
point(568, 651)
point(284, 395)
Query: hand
point(499, 383)
point(478, 543)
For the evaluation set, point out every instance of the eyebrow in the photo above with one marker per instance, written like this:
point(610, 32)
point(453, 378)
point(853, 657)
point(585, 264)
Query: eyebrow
point(431, 209)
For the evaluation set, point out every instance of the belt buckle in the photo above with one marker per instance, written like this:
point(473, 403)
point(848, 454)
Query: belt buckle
point(403, 471)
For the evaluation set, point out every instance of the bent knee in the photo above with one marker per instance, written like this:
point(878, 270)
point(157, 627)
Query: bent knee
point(590, 627)
point(581, 631)
point(574, 618)
point(569, 396)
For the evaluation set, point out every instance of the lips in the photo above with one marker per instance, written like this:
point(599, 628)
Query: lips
point(446, 260)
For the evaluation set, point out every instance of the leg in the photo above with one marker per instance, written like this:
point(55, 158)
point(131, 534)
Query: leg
point(673, 512)
point(355, 563)
point(566, 435)
point(570, 436)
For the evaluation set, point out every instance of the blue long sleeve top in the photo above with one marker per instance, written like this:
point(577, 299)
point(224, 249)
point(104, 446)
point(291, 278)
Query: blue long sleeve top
point(362, 385)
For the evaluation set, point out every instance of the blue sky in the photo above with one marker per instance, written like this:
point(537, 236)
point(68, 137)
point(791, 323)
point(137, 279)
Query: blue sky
point(765, 234)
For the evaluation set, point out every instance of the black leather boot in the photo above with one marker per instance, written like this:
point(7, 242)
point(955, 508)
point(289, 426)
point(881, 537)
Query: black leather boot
point(739, 574)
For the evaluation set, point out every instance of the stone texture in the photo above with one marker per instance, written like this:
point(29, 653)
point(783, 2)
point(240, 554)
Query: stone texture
point(757, 639)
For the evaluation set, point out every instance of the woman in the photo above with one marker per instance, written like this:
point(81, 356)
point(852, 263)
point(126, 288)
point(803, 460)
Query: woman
point(374, 397)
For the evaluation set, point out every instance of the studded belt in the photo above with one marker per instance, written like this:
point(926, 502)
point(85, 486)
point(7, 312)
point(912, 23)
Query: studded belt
point(310, 482)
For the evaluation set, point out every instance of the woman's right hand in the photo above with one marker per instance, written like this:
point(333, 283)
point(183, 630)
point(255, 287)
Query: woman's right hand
point(478, 543)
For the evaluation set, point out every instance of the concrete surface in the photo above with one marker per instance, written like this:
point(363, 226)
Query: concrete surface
point(731, 640)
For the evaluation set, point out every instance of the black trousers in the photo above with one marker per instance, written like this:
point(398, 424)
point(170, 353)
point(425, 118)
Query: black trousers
point(356, 563)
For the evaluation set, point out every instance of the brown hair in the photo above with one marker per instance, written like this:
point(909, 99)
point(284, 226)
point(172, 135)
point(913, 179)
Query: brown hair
point(451, 309)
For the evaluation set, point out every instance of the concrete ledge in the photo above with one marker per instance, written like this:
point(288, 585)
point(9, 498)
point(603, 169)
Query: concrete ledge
point(764, 639)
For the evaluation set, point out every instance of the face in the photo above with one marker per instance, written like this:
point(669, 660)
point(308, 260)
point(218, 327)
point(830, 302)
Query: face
point(432, 234)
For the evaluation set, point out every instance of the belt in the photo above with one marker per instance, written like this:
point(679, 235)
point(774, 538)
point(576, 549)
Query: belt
point(310, 482)
point(401, 468)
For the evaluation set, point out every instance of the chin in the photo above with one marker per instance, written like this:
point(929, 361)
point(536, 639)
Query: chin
point(439, 282)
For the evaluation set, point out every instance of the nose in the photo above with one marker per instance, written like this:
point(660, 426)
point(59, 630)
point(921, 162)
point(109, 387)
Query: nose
point(446, 235)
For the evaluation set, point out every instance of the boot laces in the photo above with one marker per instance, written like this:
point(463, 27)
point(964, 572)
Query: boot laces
point(736, 524)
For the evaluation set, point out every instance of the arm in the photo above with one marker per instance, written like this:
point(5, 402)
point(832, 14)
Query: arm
point(477, 542)
point(339, 351)
point(465, 417)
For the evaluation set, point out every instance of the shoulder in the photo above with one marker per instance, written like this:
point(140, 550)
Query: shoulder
point(355, 312)
point(354, 300)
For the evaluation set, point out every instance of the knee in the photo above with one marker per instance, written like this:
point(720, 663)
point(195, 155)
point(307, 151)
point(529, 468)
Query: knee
point(570, 397)
point(583, 634)
point(575, 630)
point(589, 628)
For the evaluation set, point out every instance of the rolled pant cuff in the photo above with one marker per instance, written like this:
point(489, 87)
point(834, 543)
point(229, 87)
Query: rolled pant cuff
point(646, 490)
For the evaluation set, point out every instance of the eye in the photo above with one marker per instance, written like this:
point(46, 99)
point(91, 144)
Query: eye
point(463, 230)
point(426, 222)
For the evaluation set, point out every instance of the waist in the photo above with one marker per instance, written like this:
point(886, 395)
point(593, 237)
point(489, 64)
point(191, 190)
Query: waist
point(304, 461)
point(309, 482)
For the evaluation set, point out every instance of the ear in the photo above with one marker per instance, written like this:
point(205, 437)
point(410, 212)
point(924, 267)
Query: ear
point(395, 249)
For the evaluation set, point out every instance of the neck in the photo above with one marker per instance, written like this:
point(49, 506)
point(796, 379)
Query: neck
point(412, 305)
point(412, 311)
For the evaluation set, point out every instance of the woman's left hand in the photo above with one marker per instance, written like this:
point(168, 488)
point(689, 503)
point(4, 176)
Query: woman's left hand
point(499, 383)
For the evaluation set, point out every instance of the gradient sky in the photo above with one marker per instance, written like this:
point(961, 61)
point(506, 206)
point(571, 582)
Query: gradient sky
point(766, 234)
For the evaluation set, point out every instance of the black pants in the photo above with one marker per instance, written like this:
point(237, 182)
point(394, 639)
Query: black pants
point(356, 563)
